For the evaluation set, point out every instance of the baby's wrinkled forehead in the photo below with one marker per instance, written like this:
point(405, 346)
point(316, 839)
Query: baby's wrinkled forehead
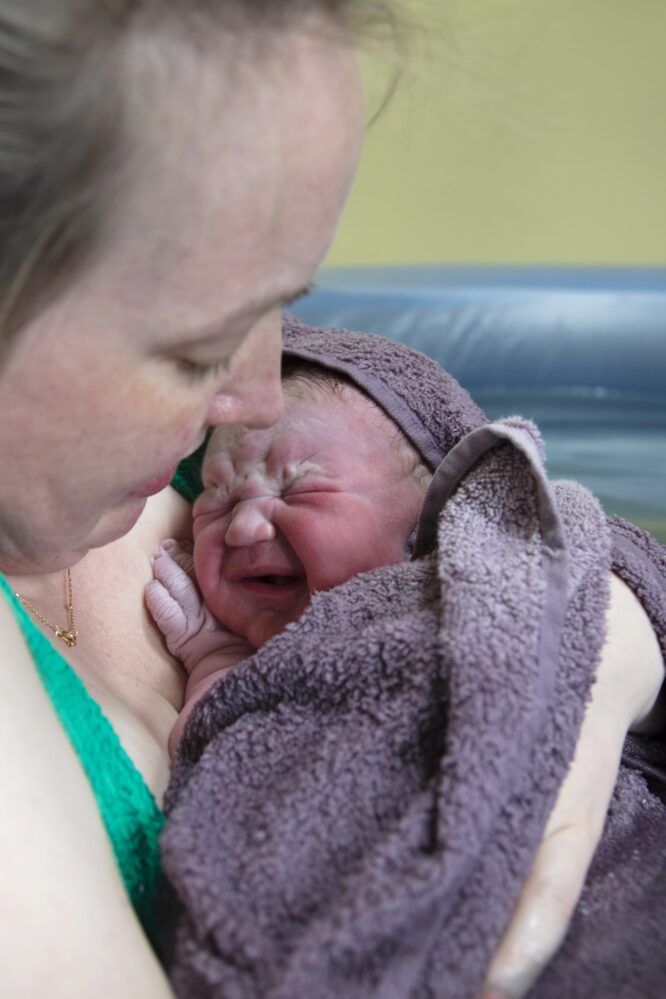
point(234, 447)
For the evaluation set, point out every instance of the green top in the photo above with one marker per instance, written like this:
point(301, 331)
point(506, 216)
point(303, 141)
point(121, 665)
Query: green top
point(187, 480)
point(130, 813)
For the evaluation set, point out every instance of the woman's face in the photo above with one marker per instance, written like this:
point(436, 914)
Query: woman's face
point(245, 163)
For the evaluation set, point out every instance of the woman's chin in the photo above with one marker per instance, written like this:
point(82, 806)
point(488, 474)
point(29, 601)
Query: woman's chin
point(30, 553)
point(114, 524)
point(117, 522)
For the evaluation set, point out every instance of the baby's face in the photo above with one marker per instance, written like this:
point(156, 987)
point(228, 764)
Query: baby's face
point(301, 507)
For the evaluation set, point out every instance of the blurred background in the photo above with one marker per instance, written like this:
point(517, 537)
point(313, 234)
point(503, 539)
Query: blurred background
point(509, 219)
point(522, 131)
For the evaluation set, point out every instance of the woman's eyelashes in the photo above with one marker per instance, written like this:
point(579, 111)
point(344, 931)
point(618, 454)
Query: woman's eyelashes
point(196, 371)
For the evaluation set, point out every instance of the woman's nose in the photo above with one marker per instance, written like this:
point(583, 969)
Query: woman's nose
point(252, 394)
point(250, 522)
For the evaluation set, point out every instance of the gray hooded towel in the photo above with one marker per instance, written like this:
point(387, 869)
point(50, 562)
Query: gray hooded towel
point(354, 810)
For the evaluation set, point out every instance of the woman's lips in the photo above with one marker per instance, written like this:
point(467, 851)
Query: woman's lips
point(155, 485)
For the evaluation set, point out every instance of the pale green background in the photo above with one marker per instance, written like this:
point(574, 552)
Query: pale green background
point(523, 131)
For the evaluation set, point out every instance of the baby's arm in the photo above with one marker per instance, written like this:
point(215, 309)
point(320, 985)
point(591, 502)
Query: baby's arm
point(206, 648)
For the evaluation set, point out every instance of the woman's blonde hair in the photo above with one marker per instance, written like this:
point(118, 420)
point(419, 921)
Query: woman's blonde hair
point(63, 135)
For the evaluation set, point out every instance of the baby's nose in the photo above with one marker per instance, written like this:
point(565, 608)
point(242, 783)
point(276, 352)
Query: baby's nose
point(250, 523)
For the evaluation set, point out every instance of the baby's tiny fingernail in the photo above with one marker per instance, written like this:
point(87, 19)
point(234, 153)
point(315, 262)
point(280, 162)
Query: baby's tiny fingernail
point(168, 544)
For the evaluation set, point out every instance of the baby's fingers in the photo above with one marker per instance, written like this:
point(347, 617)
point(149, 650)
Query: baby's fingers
point(182, 554)
point(167, 614)
point(175, 578)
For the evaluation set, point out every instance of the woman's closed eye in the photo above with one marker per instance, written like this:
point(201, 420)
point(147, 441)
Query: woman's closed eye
point(197, 371)
point(200, 370)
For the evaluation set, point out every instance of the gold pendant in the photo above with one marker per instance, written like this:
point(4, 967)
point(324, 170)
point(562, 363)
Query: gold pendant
point(67, 635)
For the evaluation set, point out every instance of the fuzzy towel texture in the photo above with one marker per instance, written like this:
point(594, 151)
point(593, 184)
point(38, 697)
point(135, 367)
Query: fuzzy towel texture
point(354, 810)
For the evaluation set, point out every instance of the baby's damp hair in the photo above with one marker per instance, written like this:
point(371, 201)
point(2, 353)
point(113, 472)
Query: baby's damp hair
point(304, 378)
point(64, 134)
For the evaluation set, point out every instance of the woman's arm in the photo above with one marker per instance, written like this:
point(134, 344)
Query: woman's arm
point(624, 696)
point(69, 928)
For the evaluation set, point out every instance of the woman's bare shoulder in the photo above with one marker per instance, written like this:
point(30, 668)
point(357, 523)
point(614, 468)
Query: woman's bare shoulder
point(73, 929)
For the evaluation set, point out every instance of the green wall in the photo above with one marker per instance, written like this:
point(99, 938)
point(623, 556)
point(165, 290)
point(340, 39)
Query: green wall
point(522, 131)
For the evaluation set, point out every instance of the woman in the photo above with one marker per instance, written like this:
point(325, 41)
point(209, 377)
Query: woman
point(167, 186)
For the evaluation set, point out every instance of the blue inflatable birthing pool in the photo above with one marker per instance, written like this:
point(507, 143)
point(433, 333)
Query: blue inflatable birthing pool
point(580, 350)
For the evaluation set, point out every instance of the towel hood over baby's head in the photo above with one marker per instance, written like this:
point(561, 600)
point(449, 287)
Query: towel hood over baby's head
point(354, 809)
point(424, 401)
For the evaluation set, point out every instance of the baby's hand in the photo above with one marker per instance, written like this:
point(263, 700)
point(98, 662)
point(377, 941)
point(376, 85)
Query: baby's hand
point(191, 632)
point(206, 648)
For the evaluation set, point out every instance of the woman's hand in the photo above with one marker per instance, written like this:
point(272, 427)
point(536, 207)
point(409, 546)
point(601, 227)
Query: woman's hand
point(625, 696)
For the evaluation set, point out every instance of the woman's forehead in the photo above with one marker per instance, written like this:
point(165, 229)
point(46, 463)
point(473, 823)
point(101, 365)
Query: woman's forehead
point(238, 179)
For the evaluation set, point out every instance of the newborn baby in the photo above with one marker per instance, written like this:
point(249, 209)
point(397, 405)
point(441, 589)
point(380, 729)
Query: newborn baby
point(331, 490)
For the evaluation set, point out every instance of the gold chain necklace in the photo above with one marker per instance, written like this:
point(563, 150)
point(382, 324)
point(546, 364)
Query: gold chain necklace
point(67, 635)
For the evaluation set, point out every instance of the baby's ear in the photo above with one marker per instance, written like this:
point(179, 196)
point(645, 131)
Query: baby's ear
point(410, 542)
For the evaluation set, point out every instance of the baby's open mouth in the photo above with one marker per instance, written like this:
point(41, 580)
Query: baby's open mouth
point(272, 583)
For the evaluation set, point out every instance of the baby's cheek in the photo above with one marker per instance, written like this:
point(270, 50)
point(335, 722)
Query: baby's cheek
point(207, 564)
point(338, 552)
point(375, 545)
